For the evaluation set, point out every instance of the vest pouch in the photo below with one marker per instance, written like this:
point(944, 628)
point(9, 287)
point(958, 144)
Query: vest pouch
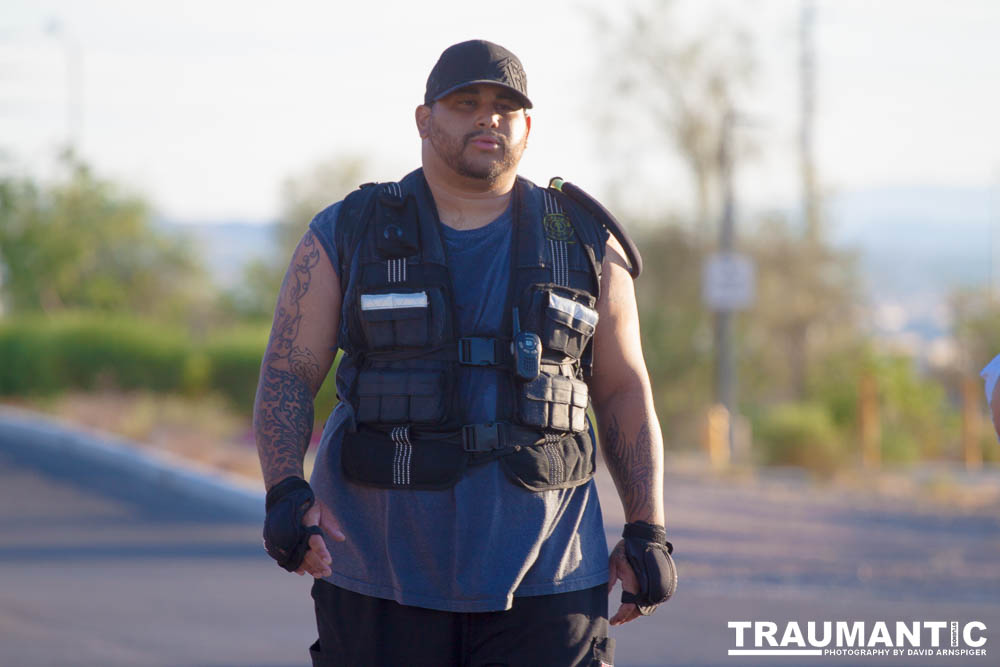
point(553, 402)
point(394, 320)
point(569, 325)
point(401, 396)
point(398, 460)
point(563, 317)
point(568, 462)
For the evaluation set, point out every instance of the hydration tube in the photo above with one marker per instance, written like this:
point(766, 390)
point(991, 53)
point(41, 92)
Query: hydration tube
point(596, 209)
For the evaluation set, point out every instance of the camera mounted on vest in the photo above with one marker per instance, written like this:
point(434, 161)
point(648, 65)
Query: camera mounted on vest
point(395, 224)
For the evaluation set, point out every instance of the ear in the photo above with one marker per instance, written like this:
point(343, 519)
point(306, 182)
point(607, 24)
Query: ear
point(422, 116)
point(527, 126)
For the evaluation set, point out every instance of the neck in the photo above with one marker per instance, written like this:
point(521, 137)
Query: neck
point(467, 203)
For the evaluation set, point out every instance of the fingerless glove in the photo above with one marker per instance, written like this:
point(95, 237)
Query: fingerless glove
point(648, 552)
point(285, 538)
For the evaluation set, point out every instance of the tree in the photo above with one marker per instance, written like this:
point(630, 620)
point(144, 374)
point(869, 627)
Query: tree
point(684, 89)
point(976, 327)
point(305, 194)
point(302, 197)
point(807, 292)
point(82, 243)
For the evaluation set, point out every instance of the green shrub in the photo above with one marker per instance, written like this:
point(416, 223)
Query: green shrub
point(234, 359)
point(799, 434)
point(118, 353)
point(25, 366)
point(42, 356)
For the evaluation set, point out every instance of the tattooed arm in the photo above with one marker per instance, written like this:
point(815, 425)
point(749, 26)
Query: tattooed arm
point(622, 398)
point(299, 354)
point(623, 403)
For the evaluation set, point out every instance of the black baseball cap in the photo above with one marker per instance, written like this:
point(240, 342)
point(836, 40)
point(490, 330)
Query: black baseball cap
point(472, 62)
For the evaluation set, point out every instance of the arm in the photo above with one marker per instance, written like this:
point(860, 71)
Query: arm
point(623, 404)
point(622, 398)
point(299, 354)
point(995, 409)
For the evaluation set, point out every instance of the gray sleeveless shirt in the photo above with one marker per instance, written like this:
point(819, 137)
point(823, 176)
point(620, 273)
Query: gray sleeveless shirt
point(474, 546)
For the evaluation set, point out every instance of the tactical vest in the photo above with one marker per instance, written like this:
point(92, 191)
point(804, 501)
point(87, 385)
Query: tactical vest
point(402, 352)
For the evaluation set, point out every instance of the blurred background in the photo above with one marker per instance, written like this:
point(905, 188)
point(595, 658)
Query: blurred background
point(161, 159)
point(814, 185)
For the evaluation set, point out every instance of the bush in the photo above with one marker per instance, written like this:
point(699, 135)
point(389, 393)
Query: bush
point(41, 356)
point(234, 362)
point(799, 434)
point(44, 356)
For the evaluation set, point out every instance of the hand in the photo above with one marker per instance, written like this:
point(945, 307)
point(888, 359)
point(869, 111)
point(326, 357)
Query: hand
point(620, 570)
point(317, 560)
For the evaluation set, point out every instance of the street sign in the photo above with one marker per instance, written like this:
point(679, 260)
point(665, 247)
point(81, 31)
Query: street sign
point(728, 282)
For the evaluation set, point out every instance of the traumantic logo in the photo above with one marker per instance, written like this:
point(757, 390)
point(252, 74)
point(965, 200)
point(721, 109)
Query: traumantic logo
point(857, 638)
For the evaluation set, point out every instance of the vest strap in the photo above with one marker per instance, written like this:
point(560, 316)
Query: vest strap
point(484, 351)
point(497, 435)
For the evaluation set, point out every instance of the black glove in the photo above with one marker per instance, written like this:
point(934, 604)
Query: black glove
point(285, 538)
point(648, 552)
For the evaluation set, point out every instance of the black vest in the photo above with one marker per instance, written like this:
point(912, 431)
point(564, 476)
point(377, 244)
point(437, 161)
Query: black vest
point(401, 351)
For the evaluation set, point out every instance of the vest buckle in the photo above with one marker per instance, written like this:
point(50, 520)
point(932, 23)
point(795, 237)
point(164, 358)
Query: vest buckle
point(481, 437)
point(478, 351)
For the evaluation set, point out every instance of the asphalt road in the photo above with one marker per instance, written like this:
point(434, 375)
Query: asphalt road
point(106, 563)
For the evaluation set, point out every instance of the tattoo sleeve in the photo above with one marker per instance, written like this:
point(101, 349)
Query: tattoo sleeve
point(283, 422)
point(290, 377)
point(634, 460)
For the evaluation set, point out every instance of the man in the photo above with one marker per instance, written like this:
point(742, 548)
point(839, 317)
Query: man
point(452, 517)
point(990, 375)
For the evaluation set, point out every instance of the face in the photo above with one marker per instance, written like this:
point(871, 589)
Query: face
point(479, 131)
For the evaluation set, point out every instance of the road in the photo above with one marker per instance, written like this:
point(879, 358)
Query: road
point(101, 567)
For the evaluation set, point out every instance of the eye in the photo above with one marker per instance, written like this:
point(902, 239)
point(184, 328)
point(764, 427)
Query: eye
point(507, 107)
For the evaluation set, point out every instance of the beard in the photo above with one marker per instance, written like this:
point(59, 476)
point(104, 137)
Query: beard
point(452, 152)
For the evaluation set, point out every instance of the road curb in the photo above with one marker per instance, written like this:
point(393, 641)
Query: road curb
point(23, 430)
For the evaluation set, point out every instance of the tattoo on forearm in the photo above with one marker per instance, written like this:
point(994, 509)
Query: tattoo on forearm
point(283, 411)
point(283, 422)
point(304, 364)
point(631, 467)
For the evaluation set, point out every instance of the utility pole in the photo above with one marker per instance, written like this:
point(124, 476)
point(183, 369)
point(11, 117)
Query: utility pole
point(803, 312)
point(728, 286)
point(73, 54)
point(807, 98)
point(725, 369)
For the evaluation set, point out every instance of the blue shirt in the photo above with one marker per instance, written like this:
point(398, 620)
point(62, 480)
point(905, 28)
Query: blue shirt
point(475, 546)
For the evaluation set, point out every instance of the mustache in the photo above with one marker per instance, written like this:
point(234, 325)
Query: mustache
point(475, 135)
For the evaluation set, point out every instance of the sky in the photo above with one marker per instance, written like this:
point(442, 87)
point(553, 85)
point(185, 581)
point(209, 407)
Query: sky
point(206, 107)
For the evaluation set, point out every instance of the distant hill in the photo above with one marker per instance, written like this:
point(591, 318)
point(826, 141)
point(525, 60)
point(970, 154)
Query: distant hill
point(227, 246)
point(919, 240)
point(916, 245)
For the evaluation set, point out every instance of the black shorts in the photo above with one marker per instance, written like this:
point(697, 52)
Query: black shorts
point(562, 630)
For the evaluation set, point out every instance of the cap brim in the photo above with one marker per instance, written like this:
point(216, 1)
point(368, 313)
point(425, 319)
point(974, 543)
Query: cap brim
point(521, 96)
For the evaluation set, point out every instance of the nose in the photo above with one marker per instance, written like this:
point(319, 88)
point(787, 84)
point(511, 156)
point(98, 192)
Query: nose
point(488, 119)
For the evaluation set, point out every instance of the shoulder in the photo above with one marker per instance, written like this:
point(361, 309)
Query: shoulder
point(580, 213)
point(335, 226)
point(327, 218)
point(331, 224)
point(323, 228)
point(338, 227)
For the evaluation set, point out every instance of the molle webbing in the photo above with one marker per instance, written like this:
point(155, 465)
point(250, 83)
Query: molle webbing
point(403, 352)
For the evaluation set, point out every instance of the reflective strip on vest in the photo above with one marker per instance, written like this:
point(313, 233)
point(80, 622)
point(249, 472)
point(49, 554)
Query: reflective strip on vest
point(574, 309)
point(387, 301)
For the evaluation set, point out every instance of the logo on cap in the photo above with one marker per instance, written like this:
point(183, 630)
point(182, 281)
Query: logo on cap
point(509, 70)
